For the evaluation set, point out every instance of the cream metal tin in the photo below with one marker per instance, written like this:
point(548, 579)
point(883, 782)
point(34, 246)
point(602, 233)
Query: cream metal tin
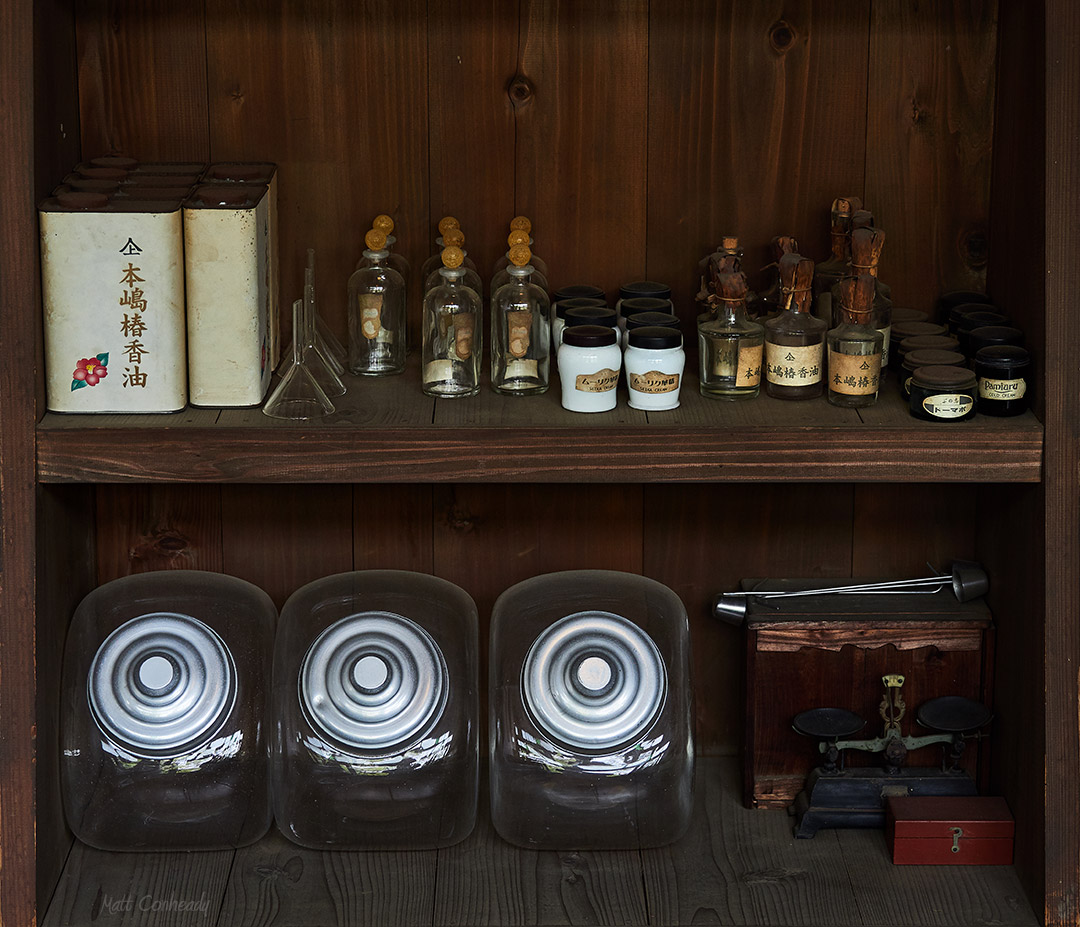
point(228, 273)
point(112, 279)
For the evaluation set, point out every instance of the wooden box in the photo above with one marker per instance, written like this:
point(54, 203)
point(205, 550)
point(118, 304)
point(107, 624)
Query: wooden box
point(940, 831)
point(832, 651)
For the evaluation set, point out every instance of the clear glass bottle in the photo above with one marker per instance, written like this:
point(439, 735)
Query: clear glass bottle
point(730, 346)
point(795, 339)
point(855, 347)
point(866, 245)
point(835, 267)
point(376, 311)
point(520, 331)
point(452, 339)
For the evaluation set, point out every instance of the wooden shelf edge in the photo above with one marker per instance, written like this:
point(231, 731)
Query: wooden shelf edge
point(616, 454)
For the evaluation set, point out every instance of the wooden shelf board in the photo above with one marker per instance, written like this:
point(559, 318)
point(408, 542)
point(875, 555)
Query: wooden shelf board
point(386, 430)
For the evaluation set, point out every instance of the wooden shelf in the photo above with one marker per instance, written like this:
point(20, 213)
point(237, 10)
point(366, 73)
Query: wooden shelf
point(735, 866)
point(388, 431)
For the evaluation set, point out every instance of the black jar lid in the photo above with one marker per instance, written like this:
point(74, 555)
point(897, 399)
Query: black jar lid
point(903, 314)
point(1003, 356)
point(643, 319)
point(946, 302)
point(577, 302)
point(635, 305)
point(649, 288)
point(931, 342)
point(902, 330)
point(577, 289)
point(591, 315)
point(988, 335)
point(980, 318)
point(929, 357)
point(937, 377)
point(654, 336)
point(589, 336)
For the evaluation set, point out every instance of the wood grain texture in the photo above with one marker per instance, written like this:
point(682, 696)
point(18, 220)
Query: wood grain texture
point(336, 95)
point(580, 143)
point(142, 528)
point(929, 127)
point(393, 527)
point(276, 882)
point(142, 80)
point(742, 97)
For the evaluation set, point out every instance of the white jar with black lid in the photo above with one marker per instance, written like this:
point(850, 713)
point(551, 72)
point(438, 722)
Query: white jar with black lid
point(654, 362)
point(589, 365)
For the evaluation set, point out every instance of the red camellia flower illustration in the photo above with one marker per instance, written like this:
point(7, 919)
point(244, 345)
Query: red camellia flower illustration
point(90, 370)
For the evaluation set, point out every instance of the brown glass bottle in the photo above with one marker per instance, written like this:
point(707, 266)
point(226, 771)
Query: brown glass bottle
point(795, 339)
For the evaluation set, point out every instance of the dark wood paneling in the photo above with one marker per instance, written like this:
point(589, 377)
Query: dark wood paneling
point(393, 527)
point(336, 95)
point(580, 154)
point(143, 528)
point(929, 128)
point(756, 122)
point(282, 537)
point(142, 79)
point(56, 96)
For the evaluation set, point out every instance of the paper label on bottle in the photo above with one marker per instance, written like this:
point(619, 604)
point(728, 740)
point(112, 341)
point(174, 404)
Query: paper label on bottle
point(518, 326)
point(654, 381)
point(749, 372)
point(602, 381)
point(1001, 389)
point(793, 366)
point(438, 371)
point(522, 370)
point(948, 405)
point(854, 374)
point(369, 305)
point(461, 334)
point(886, 334)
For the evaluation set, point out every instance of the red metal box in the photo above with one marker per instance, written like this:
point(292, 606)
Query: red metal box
point(949, 831)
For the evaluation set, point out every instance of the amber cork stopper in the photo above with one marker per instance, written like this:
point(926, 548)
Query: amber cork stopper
point(448, 222)
point(383, 223)
point(520, 255)
point(454, 237)
point(517, 237)
point(729, 244)
point(521, 222)
point(375, 240)
point(452, 256)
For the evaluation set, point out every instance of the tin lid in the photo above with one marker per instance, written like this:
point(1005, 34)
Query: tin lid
point(927, 357)
point(230, 196)
point(161, 684)
point(988, 335)
point(980, 318)
point(1002, 356)
point(903, 314)
point(936, 377)
point(565, 305)
point(654, 337)
point(635, 304)
point(652, 319)
point(81, 201)
point(591, 315)
point(589, 336)
point(115, 161)
point(902, 330)
point(958, 310)
point(100, 173)
point(936, 342)
point(373, 682)
point(577, 289)
point(649, 288)
point(261, 172)
point(87, 185)
point(594, 681)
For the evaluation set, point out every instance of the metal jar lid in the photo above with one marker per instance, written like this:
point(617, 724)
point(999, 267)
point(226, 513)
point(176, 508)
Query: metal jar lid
point(161, 684)
point(372, 682)
point(594, 681)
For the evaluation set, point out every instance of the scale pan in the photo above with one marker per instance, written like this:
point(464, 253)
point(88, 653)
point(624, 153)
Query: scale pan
point(953, 714)
point(827, 723)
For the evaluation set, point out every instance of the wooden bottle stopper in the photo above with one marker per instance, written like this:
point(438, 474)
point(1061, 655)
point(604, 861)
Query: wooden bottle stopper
point(729, 244)
point(866, 245)
point(520, 255)
point(732, 286)
point(857, 297)
point(862, 219)
point(517, 237)
point(783, 244)
point(383, 223)
point(375, 240)
point(452, 256)
point(796, 281)
point(448, 222)
point(521, 222)
point(454, 236)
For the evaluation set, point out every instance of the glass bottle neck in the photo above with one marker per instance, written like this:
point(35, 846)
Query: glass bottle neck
point(376, 257)
point(731, 310)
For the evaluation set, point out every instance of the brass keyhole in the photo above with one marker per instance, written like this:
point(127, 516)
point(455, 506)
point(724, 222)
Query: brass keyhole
point(957, 833)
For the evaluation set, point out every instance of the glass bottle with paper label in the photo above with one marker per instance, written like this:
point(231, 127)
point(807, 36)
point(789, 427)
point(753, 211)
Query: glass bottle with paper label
point(376, 313)
point(452, 333)
point(795, 339)
point(855, 347)
point(730, 346)
point(520, 331)
point(866, 245)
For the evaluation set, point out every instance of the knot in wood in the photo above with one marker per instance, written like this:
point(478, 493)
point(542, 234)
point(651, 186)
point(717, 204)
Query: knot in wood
point(520, 90)
point(781, 36)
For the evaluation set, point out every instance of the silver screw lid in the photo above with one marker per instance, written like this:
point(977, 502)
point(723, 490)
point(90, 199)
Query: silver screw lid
point(372, 682)
point(161, 684)
point(594, 681)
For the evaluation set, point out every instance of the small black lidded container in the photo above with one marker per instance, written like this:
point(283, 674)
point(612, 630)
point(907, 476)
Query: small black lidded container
point(928, 357)
point(989, 335)
point(1004, 379)
point(943, 394)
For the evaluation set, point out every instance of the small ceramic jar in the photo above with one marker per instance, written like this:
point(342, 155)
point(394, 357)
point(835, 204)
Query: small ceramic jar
point(654, 363)
point(589, 365)
point(560, 308)
point(1004, 376)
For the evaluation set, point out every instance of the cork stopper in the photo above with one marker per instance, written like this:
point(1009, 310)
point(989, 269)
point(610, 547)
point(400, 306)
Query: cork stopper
point(857, 296)
point(784, 244)
point(729, 244)
point(866, 245)
point(862, 219)
point(448, 222)
point(521, 222)
point(452, 257)
point(733, 286)
point(375, 240)
point(453, 236)
point(517, 237)
point(520, 255)
point(796, 279)
point(383, 223)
